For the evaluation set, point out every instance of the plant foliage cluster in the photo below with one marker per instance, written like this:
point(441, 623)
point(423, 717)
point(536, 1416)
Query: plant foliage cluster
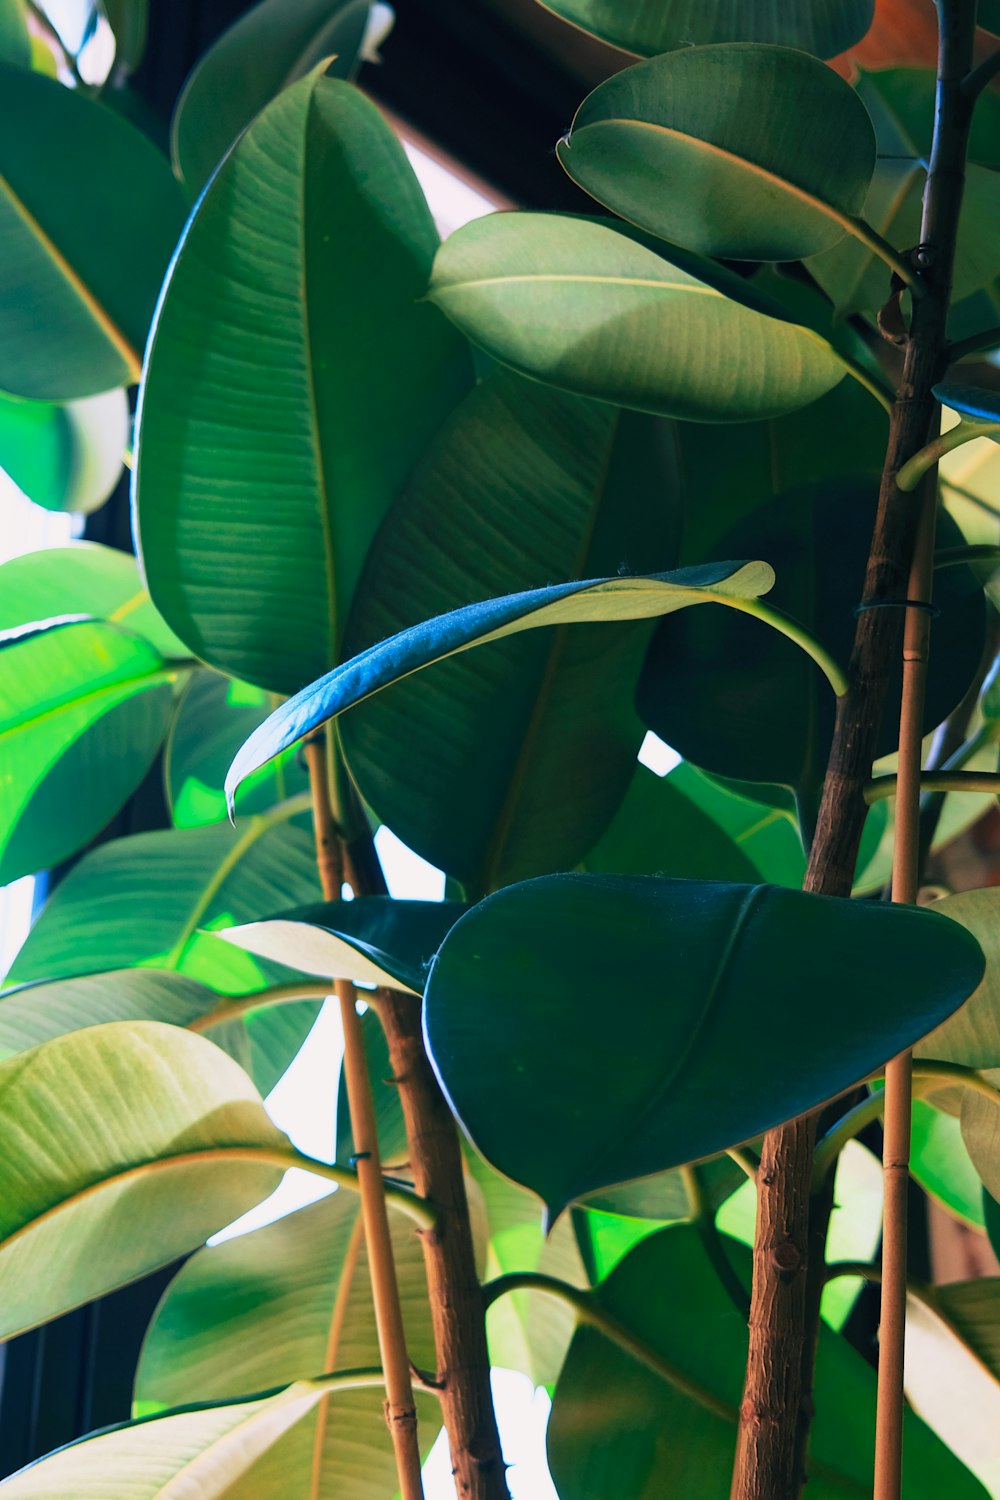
point(474, 517)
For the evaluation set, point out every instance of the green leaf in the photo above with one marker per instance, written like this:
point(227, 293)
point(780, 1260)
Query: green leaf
point(940, 1162)
point(263, 1308)
point(524, 486)
point(36, 1012)
point(980, 1121)
point(159, 900)
point(89, 216)
point(658, 830)
point(129, 20)
point(65, 457)
point(767, 834)
point(901, 102)
point(953, 1369)
point(213, 718)
point(745, 152)
point(526, 1333)
point(15, 44)
point(664, 1196)
point(370, 940)
point(525, 976)
point(210, 1449)
point(270, 47)
point(619, 1428)
point(290, 325)
point(991, 1219)
point(779, 713)
point(83, 711)
point(971, 1037)
point(582, 305)
point(154, 1139)
point(988, 15)
point(824, 27)
point(596, 599)
point(82, 579)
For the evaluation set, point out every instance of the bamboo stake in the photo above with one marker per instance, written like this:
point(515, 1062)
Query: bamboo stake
point(898, 1073)
point(400, 1409)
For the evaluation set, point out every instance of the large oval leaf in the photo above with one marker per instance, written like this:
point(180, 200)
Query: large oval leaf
point(720, 1047)
point(210, 1449)
point(371, 940)
point(823, 27)
point(83, 711)
point(271, 46)
point(619, 1427)
point(159, 899)
point(596, 599)
point(153, 1139)
point(585, 307)
point(40, 1010)
point(291, 326)
point(953, 1369)
point(65, 457)
point(89, 216)
point(524, 486)
point(82, 579)
point(213, 718)
point(746, 152)
point(778, 719)
point(261, 1309)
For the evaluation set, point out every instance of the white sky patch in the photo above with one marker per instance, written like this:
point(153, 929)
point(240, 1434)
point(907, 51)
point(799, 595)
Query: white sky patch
point(657, 756)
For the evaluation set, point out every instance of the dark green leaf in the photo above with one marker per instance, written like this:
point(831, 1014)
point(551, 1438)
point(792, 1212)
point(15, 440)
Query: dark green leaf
point(371, 940)
point(82, 579)
point(824, 27)
point(83, 711)
point(767, 834)
point(290, 324)
point(526, 976)
point(779, 712)
point(116, 1105)
point(940, 1162)
point(617, 1428)
point(531, 752)
point(214, 717)
point(89, 216)
point(270, 47)
point(591, 601)
point(260, 1310)
point(745, 152)
point(64, 457)
point(160, 899)
point(129, 20)
point(586, 307)
point(901, 103)
point(974, 404)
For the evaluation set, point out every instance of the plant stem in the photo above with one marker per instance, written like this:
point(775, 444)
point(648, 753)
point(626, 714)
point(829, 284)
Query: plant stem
point(927, 1070)
point(400, 1409)
point(435, 1156)
point(776, 1410)
point(981, 77)
point(847, 1127)
point(745, 1161)
point(786, 626)
point(937, 781)
point(703, 1219)
point(242, 1005)
point(986, 338)
point(929, 456)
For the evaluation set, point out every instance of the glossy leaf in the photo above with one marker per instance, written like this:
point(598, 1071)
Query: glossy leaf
point(83, 711)
point(370, 940)
point(82, 579)
point(64, 457)
point(290, 325)
point(824, 27)
point(744, 152)
point(657, 830)
point(530, 969)
point(15, 44)
point(270, 47)
point(767, 834)
point(664, 1196)
point(592, 601)
point(940, 1162)
point(84, 252)
point(586, 307)
point(153, 1139)
point(901, 103)
point(779, 712)
point(619, 1428)
point(212, 1449)
point(160, 899)
point(973, 404)
point(953, 1370)
point(262, 1308)
point(532, 751)
point(213, 718)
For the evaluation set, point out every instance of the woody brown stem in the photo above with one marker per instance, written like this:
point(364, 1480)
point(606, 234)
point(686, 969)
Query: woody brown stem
point(435, 1156)
point(775, 1414)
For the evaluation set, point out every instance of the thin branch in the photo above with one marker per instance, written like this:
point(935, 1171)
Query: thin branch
point(241, 1005)
point(971, 552)
point(745, 1160)
point(936, 781)
point(847, 1127)
point(981, 77)
point(868, 235)
point(916, 467)
point(786, 626)
point(986, 338)
point(943, 1073)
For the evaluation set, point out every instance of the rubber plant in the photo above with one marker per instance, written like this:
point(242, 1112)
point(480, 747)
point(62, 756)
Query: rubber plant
point(437, 537)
